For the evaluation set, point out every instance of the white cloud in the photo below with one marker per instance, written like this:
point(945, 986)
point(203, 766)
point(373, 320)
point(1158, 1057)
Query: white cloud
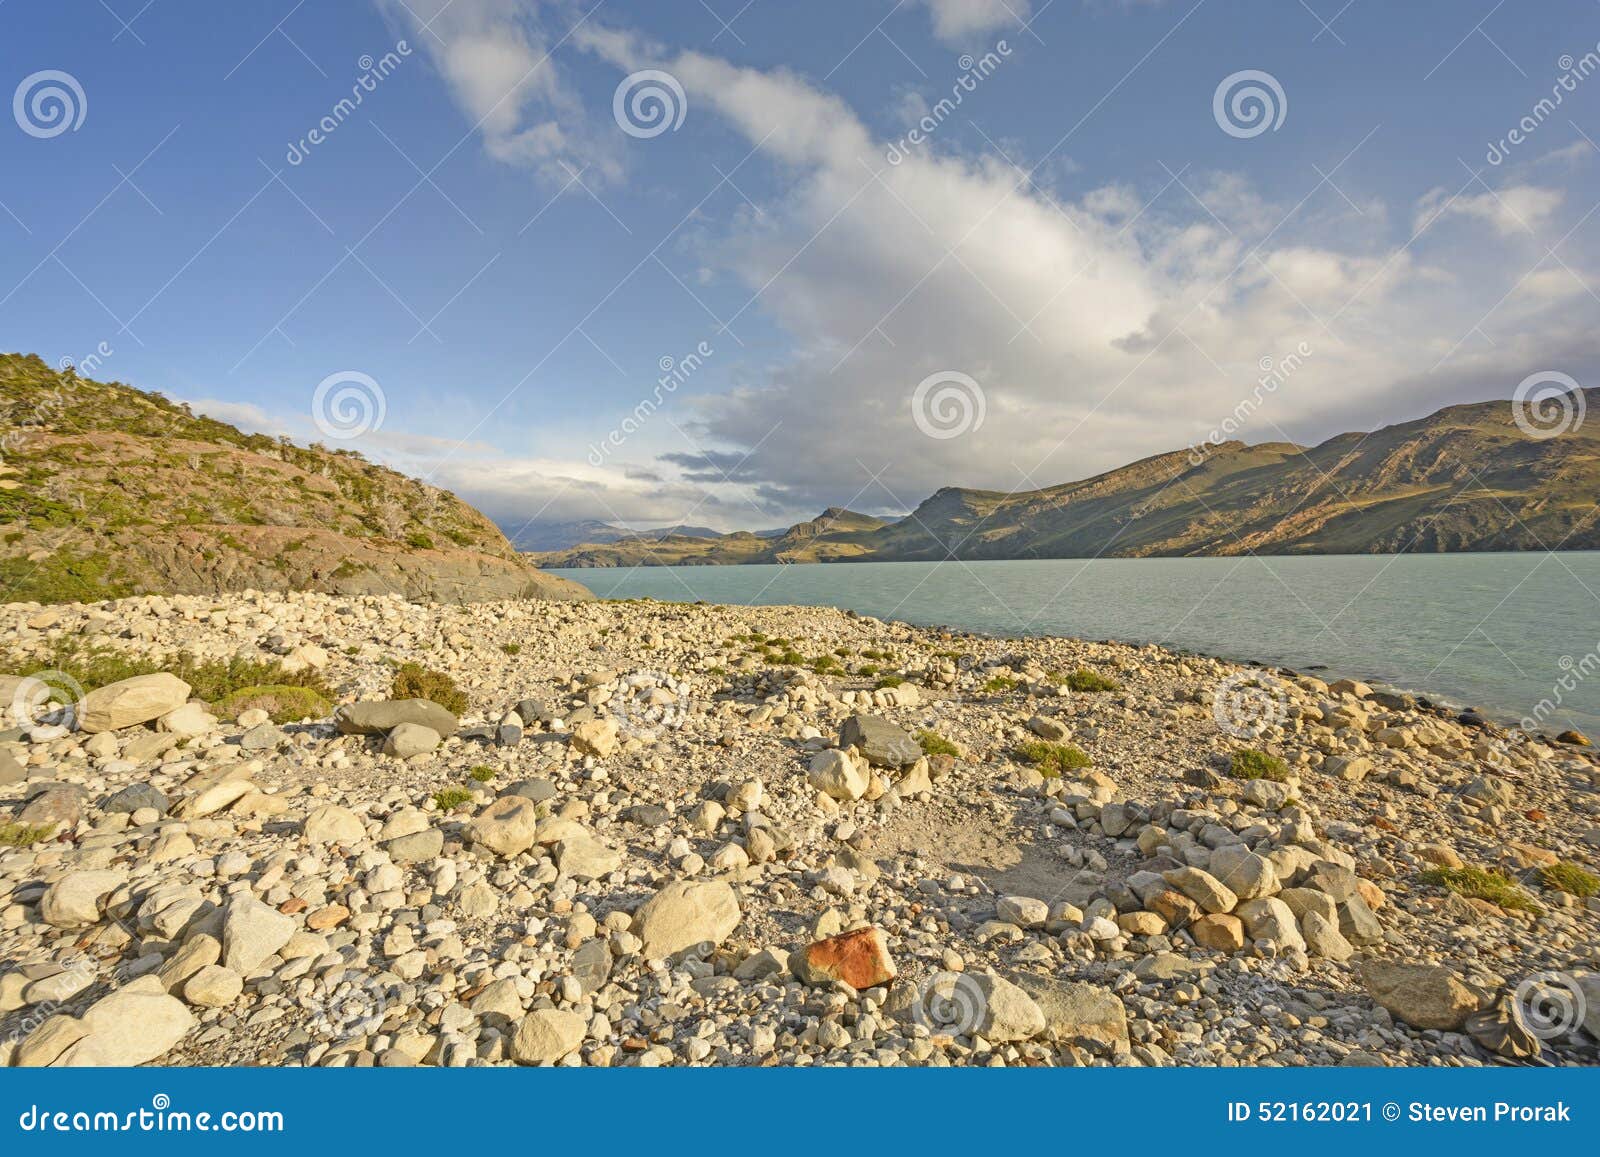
point(1102, 327)
point(1516, 209)
point(956, 21)
point(498, 58)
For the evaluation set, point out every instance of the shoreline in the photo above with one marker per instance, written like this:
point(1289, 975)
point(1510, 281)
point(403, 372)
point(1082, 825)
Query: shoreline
point(649, 838)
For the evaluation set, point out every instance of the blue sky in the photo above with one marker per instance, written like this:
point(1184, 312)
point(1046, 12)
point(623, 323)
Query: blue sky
point(1084, 263)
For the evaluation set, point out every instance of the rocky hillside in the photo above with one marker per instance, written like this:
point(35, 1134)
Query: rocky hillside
point(1465, 478)
point(107, 491)
point(698, 835)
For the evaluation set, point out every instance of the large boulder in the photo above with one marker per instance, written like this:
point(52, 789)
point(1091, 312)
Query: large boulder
point(507, 826)
point(132, 1026)
point(131, 702)
point(1079, 1013)
point(1422, 995)
point(406, 740)
point(837, 774)
point(859, 958)
point(332, 824)
point(883, 743)
point(546, 1035)
point(78, 898)
point(684, 915)
point(379, 717)
point(251, 932)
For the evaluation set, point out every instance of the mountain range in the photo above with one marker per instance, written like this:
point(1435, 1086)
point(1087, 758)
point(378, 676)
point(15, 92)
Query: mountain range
point(1465, 478)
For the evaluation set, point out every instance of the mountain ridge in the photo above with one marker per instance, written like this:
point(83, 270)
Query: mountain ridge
point(1467, 477)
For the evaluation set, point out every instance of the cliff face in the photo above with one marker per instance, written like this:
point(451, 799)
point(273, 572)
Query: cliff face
point(1466, 478)
point(108, 491)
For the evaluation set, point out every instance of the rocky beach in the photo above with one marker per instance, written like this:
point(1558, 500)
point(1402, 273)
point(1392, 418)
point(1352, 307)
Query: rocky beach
point(647, 834)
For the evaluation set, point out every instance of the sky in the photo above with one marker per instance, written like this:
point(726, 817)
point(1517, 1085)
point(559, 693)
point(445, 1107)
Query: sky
point(727, 263)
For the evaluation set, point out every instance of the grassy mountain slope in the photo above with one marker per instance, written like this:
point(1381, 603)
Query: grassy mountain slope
point(107, 491)
point(1463, 479)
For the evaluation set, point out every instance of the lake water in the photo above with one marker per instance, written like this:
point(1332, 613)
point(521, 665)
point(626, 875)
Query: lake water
point(1501, 632)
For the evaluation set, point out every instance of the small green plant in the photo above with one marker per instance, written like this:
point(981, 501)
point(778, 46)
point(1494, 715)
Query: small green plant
point(481, 773)
point(416, 540)
point(933, 743)
point(22, 835)
point(1483, 884)
point(1052, 760)
point(788, 657)
point(889, 681)
point(826, 665)
point(1253, 764)
point(281, 703)
point(414, 681)
point(1570, 878)
point(868, 670)
point(1086, 680)
point(447, 799)
point(511, 648)
point(999, 685)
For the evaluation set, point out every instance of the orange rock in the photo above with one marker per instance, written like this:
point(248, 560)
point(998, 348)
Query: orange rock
point(1371, 893)
point(292, 905)
point(330, 917)
point(859, 959)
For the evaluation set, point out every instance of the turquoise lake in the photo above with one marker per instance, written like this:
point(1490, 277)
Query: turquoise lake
point(1506, 633)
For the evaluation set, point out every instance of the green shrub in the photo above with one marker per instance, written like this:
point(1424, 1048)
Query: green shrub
point(1570, 878)
point(511, 648)
point(211, 680)
point(1483, 884)
point(933, 743)
point(284, 704)
point(889, 681)
point(999, 685)
point(14, 835)
point(1052, 759)
point(1253, 764)
point(481, 773)
point(414, 681)
point(416, 540)
point(447, 799)
point(1084, 679)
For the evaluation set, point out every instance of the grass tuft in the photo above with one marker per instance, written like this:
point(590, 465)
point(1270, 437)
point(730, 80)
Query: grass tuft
point(1086, 680)
point(933, 743)
point(1052, 759)
point(1253, 764)
point(414, 681)
point(1483, 884)
point(447, 799)
point(1570, 878)
point(481, 773)
point(23, 835)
